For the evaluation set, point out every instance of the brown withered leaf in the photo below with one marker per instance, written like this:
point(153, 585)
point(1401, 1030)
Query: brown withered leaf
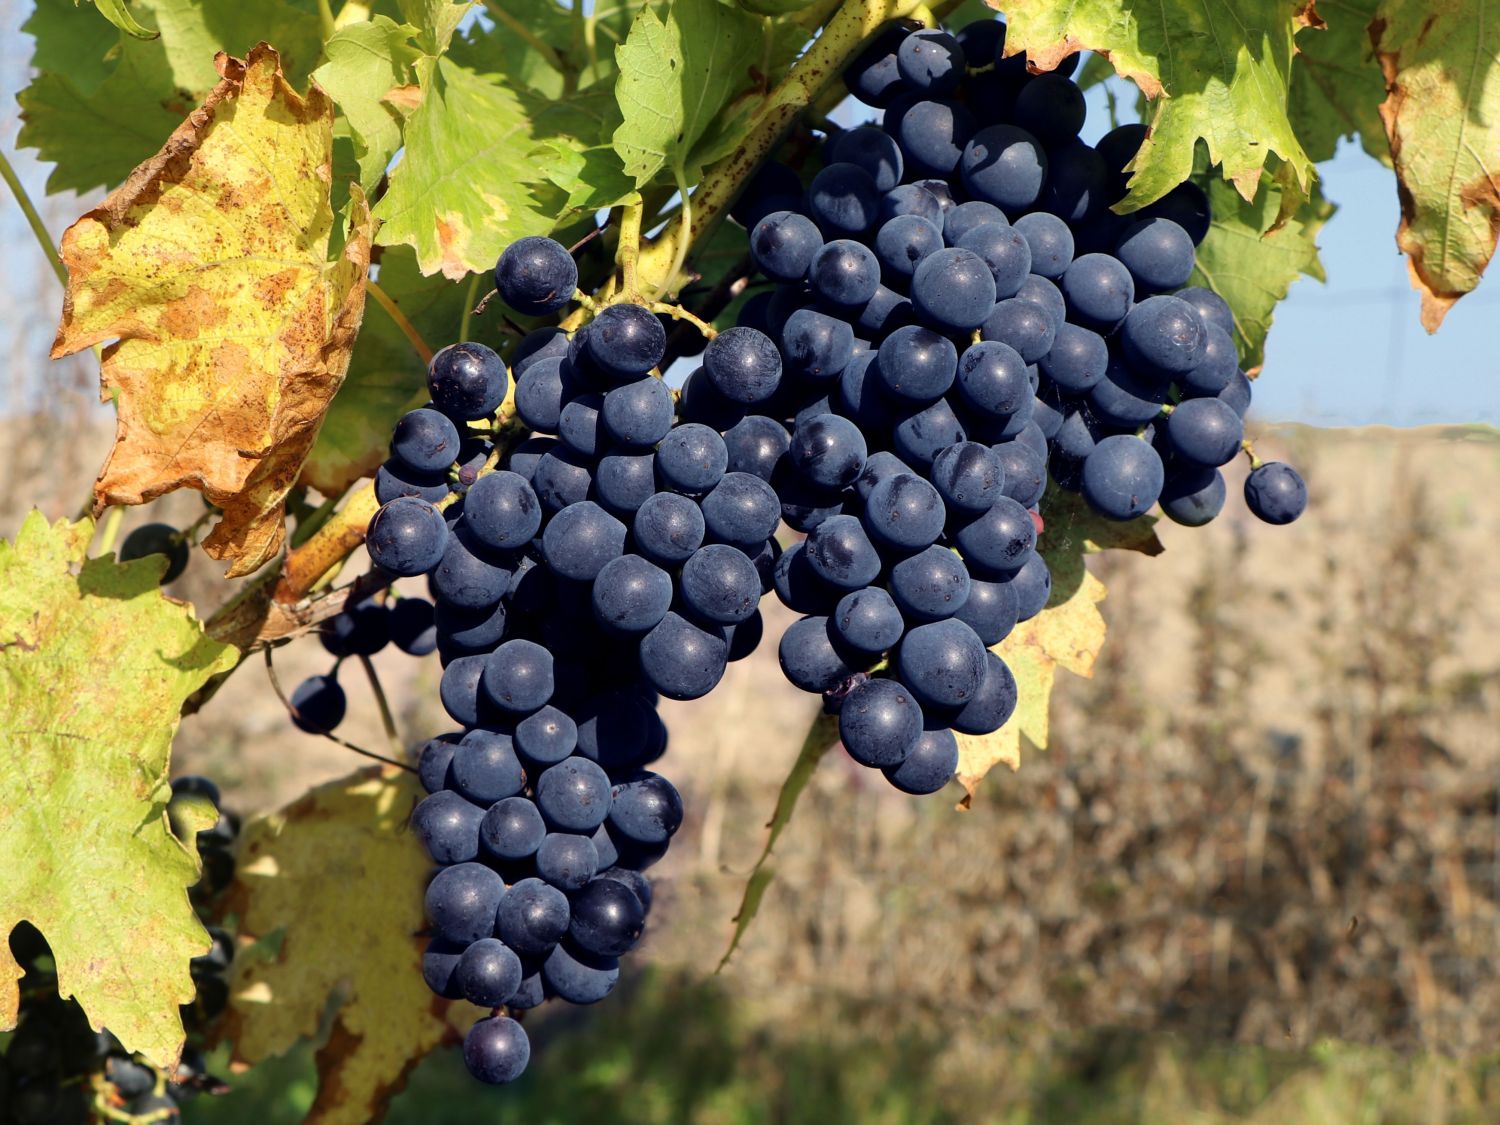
point(209, 268)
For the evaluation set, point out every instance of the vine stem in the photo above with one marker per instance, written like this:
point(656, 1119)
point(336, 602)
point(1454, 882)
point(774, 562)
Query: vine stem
point(629, 250)
point(111, 529)
point(38, 228)
point(408, 329)
point(851, 25)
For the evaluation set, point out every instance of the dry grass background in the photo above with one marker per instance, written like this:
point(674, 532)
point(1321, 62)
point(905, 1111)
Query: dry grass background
point(1270, 819)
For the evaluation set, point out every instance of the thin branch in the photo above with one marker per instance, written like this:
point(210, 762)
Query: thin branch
point(38, 228)
point(526, 35)
point(383, 299)
point(386, 719)
point(347, 745)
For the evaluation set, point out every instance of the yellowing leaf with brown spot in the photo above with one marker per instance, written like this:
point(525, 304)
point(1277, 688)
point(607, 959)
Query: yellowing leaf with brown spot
point(1067, 634)
point(337, 876)
point(1442, 117)
point(210, 269)
point(95, 664)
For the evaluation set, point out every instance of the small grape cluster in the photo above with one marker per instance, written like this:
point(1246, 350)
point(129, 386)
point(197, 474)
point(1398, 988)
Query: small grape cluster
point(58, 1070)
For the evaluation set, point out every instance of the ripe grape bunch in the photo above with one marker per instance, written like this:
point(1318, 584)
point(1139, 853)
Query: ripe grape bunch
point(57, 1070)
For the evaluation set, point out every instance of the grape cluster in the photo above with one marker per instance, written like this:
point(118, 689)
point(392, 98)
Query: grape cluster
point(57, 1070)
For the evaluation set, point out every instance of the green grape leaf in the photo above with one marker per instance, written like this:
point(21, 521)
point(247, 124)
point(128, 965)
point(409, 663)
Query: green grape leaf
point(436, 21)
point(330, 890)
point(1216, 70)
point(95, 664)
point(119, 15)
point(1442, 119)
point(366, 61)
point(462, 190)
point(98, 127)
point(1067, 634)
point(680, 75)
point(594, 178)
point(1251, 265)
point(1336, 85)
point(821, 737)
point(71, 40)
point(386, 377)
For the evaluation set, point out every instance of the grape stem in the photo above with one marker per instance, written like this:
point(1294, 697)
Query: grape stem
point(409, 330)
point(111, 530)
point(463, 322)
point(629, 251)
point(38, 228)
point(386, 719)
point(843, 35)
point(677, 312)
point(1249, 448)
point(292, 711)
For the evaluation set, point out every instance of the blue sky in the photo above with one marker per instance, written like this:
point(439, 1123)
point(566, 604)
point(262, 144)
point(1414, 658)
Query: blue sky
point(1351, 352)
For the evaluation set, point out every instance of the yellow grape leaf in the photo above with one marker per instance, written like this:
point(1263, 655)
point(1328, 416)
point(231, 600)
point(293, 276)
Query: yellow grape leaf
point(1215, 70)
point(95, 664)
point(336, 881)
point(1067, 634)
point(210, 269)
point(1442, 117)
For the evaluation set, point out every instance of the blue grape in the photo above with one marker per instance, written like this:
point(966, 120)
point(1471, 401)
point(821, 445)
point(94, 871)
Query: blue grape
point(965, 217)
point(930, 586)
point(942, 664)
point(920, 437)
point(1077, 359)
point(1122, 477)
point(545, 737)
point(567, 861)
point(426, 441)
point(808, 656)
point(485, 767)
point(1162, 337)
point(407, 537)
point(990, 610)
point(1205, 431)
point(1215, 370)
point(874, 150)
point(867, 620)
point(682, 660)
point(756, 445)
point(905, 512)
point(544, 343)
point(929, 766)
point(667, 529)
point(691, 459)
point(774, 187)
point(392, 479)
point(1006, 166)
point(911, 199)
point(815, 345)
point(462, 900)
point(1275, 493)
point(362, 629)
point(541, 392)
point(439, 963)
point(1033, 587)
point(1122, 398)
point(799, 587)
point(720, 584)
point(745, 637)
point(646, 809)
point(447, 826)
point(932, 135)
point(639, 413)
point(874, 77)
point(1118, 148)
point(999, 541)
point(562, 477)
point(536, 276)
point(840, 553)
point(992, 379)
point(525, 457)
point(844, 273)
point(1078, 184)
point(488, 974)
point(501, 511)
point(1025, 471)
point(953, 289)
point(916, 364)
point(1211, 307)
point(581, 538)
point(1051, 243)
point(1187, 206)
point(828, 451)
point(518, 676)
point(931, 62)
point(512, 829)
point(496, 1050)
point(1051, 108)
point(624, 481)
point(1099, 291)
point(468, 576)
point(578, 424)
point(580, 978)
point(1158, 253)
point(783, 244)
point(1022, 325)
point(471, 630)
point(879, 723)
point(743, 365)
point(412, 630)
point(607, 919)
point(883, 313)
point(1236, 393)
point(573, 795)
point(1192, 495)
point(459, 689)
point(533, 916)
point(467, 381)
point(993, 704)
point(626, 341)
point(1004, 249)
point(631, 595)
point(969, 477)
point(318, 704)
point(843, 200)
point(742, 510)
point(902, 243)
